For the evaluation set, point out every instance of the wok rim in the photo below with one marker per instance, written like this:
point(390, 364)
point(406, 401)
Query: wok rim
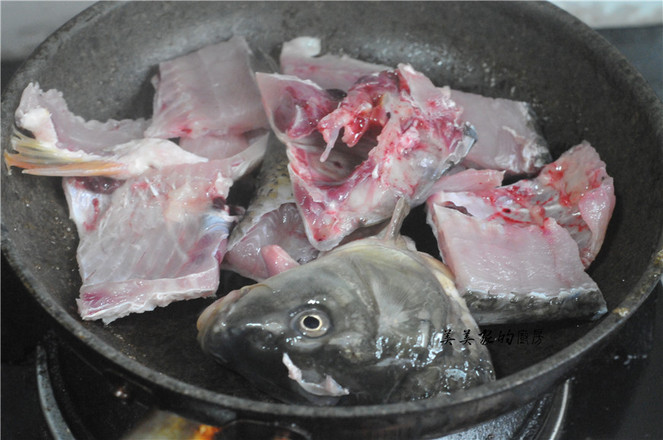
point(554, 368)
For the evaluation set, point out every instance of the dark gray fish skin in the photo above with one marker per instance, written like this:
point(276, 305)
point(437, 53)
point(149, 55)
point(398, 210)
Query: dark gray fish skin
point(272, 218)
point(382, 312)
point(581, 302)
point(273, 189)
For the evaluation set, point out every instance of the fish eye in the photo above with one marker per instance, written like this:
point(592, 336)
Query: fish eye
point(311, 323)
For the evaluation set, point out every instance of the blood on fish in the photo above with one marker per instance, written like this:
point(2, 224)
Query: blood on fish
point(398, 134)
point(92, 224)
point(101, 185)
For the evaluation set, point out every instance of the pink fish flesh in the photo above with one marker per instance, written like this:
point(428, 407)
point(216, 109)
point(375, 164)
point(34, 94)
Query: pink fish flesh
point(155, 239)
point(518, 252)
point(237, 154)
point(507, 136)
point(400, 134)
point(48, 117)
point(301, 57)
point(462, 179)
point(211, 90)
point(272, 219)
point(509, 274)
point(64, 144)
point(575, 191)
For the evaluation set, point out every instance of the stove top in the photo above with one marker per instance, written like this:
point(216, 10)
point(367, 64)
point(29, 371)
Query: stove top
point(616, 396)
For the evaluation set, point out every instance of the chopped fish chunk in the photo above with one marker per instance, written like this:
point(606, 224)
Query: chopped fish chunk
point(400, 134)
point(301, 57)
point(211, 90)
point(575, 191)
point(511, 274)
point(66, 145)
point(48, 117)
point(519, 251)
point(272, 219)
point(507, 136)
point(158, 239)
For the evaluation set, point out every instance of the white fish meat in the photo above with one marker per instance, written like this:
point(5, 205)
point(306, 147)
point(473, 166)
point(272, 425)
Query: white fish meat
point(155, 239)
point(518, 252)
point(47, 116)
point(400, 134)
point(508, 139)
point(64, 144)
point(271, 219)
point(507, 136)
point(301, 57)
point(211, 90)
point(236, 155)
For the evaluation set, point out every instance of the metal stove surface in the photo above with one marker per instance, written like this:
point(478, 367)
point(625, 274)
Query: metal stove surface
point(615, 396)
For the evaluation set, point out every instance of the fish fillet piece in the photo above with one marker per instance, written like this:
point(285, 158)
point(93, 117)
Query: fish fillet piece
point(47, 116)
point(507, 136)
point(515, 274)
point(301, 57)
point(468, 179)
point(575, 191)
point(211, 90)
point(400, 134)
point(64, 144)
point(152, 240)
point(271, 219)
point(508, 139)
point(519, 252)
point(236, 155)
point(282, 227)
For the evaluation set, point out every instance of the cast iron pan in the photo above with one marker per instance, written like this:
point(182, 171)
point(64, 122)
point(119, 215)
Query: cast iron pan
point(580, 86)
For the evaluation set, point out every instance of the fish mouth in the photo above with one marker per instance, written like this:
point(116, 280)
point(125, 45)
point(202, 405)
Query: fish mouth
point(212, 333)
point(208, 315)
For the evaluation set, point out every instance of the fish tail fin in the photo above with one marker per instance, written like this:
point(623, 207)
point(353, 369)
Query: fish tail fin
point(44, 159)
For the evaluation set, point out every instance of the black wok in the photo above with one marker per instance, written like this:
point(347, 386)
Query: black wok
point(581, 88)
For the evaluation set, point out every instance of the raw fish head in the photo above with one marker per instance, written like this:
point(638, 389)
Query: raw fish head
point(310, 316)
point(362, 324)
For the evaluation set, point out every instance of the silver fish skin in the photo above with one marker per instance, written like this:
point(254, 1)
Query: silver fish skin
point(373, 321)
point(273, 189)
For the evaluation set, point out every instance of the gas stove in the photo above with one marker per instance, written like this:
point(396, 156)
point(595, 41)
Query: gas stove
point(50, 393)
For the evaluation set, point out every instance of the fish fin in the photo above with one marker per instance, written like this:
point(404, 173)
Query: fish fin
point(43, 159)
point(92, 168)
point(392, 231)
point(276, 259)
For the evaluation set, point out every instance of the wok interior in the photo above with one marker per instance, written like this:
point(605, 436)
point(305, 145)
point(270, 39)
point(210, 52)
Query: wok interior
point(105, 63)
